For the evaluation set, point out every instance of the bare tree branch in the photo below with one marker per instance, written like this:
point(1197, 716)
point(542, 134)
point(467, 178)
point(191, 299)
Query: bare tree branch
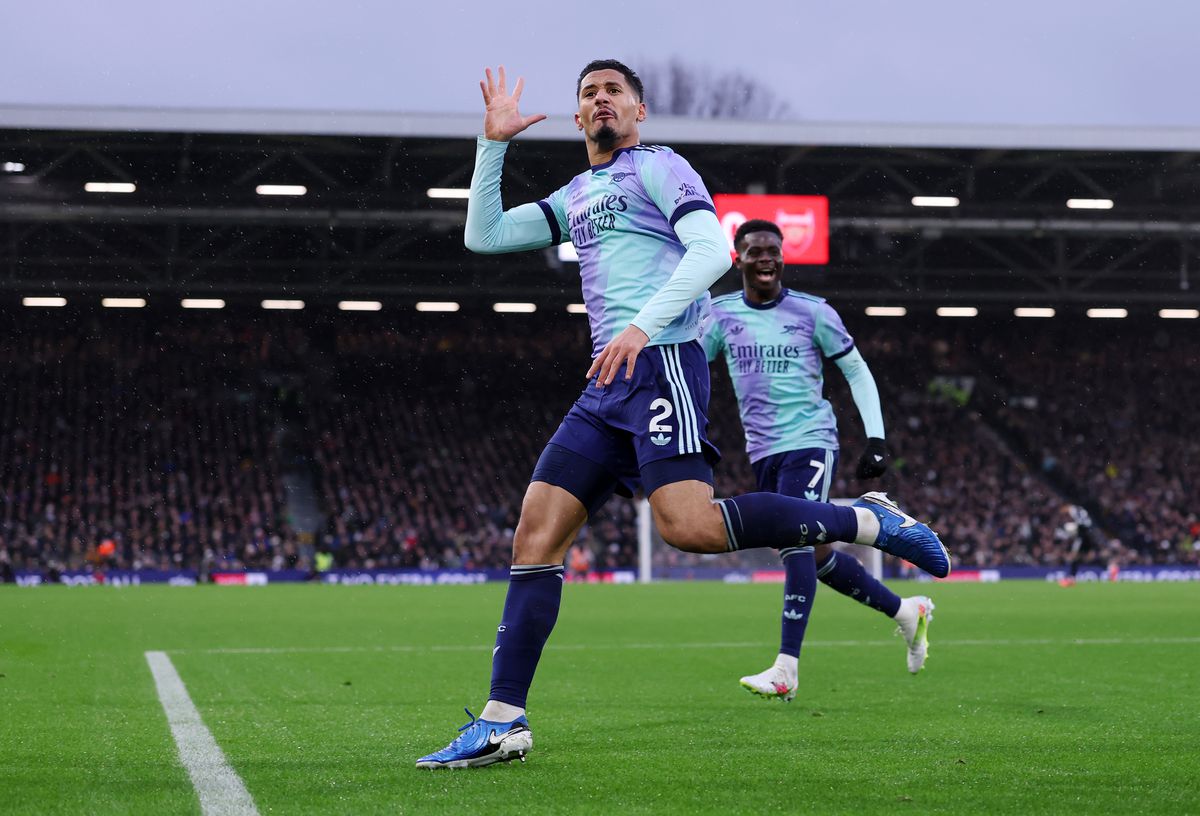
point(675, 88)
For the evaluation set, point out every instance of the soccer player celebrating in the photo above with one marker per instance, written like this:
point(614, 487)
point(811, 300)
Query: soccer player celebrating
point(649, 247)
point(774, 341)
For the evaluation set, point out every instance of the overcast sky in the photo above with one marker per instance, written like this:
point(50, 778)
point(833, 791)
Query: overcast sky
point(1036, 62)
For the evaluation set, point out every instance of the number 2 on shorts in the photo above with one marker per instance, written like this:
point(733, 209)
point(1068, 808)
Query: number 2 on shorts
point(656, 421)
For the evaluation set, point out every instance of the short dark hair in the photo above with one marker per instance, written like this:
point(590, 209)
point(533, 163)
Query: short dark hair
point(755, 225)
point(612, 65)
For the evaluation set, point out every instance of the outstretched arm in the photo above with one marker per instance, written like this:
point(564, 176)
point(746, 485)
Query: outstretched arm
point(489, 228)
point(873, 461)
point(864, 391)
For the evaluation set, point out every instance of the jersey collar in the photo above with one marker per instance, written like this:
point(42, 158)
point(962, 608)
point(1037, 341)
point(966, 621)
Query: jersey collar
point(616, 155)
point(770, 304)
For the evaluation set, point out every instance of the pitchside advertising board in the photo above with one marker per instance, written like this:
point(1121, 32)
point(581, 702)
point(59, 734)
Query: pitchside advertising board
point(803, 220)
point(1166, 573)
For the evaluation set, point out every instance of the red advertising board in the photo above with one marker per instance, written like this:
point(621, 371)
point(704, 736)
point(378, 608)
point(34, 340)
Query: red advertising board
point(803, 220)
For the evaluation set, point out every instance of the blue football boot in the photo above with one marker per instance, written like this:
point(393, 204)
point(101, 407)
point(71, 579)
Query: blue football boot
point(903, 536)
point(483, 742)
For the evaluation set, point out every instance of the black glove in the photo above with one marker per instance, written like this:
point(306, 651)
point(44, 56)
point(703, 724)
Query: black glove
point(873, 462)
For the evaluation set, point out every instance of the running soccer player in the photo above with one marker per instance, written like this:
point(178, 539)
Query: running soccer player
point(649, 246)
point(774, 341)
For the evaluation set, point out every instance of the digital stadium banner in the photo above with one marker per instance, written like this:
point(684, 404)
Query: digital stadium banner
point(116, 578)
point(803, 220)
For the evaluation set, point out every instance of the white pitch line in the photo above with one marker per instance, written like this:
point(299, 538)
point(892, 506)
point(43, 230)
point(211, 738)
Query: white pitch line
point(221, 790)
point(579, 647)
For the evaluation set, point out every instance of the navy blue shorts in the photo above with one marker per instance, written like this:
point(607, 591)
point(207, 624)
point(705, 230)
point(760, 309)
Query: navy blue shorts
point(641, 433)
point(804, 474)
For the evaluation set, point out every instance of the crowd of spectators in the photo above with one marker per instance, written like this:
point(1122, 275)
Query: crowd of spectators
point(426, 442)
point(145, 448)
point(947, 466)
point(157, 446)
point(1114, 411)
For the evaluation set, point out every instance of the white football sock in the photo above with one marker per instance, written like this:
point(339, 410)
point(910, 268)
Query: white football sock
point(868, 527)
point(496, 711)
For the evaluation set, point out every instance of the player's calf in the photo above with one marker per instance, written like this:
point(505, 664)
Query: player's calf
point(688, 519)
point(695, 535)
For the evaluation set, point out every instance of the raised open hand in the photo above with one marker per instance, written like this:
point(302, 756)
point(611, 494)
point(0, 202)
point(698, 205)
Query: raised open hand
point(502, 120)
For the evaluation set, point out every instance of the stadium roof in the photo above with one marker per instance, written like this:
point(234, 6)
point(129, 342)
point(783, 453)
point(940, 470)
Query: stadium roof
point(366, 226)
point(667, 129)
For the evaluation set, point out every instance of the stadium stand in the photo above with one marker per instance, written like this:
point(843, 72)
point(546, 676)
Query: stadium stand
point(161, 443)
point(149, 447)
point(1112, 415)
point(425, 446)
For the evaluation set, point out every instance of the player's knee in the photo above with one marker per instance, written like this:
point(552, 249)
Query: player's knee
point(533, 546)
point(532, 541)
point(550, 516)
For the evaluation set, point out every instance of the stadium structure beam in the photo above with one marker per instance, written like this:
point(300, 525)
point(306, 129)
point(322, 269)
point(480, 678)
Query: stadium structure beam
point(349, 216)
point(405, 295)
point(1041, 226)
point(457, 281)
point(366, 214)
point(332, 216)
point(665, 129)
point(1037, 276)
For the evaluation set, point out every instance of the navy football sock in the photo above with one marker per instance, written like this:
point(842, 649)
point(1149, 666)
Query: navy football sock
point(799, 587)
point(530, 611)
point(771, 520)
point(847, 575)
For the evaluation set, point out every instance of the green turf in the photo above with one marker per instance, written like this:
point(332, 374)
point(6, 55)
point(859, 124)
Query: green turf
point(632, 713)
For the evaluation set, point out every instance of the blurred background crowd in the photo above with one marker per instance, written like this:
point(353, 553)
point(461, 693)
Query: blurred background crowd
point(408, 443)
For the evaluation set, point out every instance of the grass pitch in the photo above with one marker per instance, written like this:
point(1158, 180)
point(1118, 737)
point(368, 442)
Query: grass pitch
point(1036, 699)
